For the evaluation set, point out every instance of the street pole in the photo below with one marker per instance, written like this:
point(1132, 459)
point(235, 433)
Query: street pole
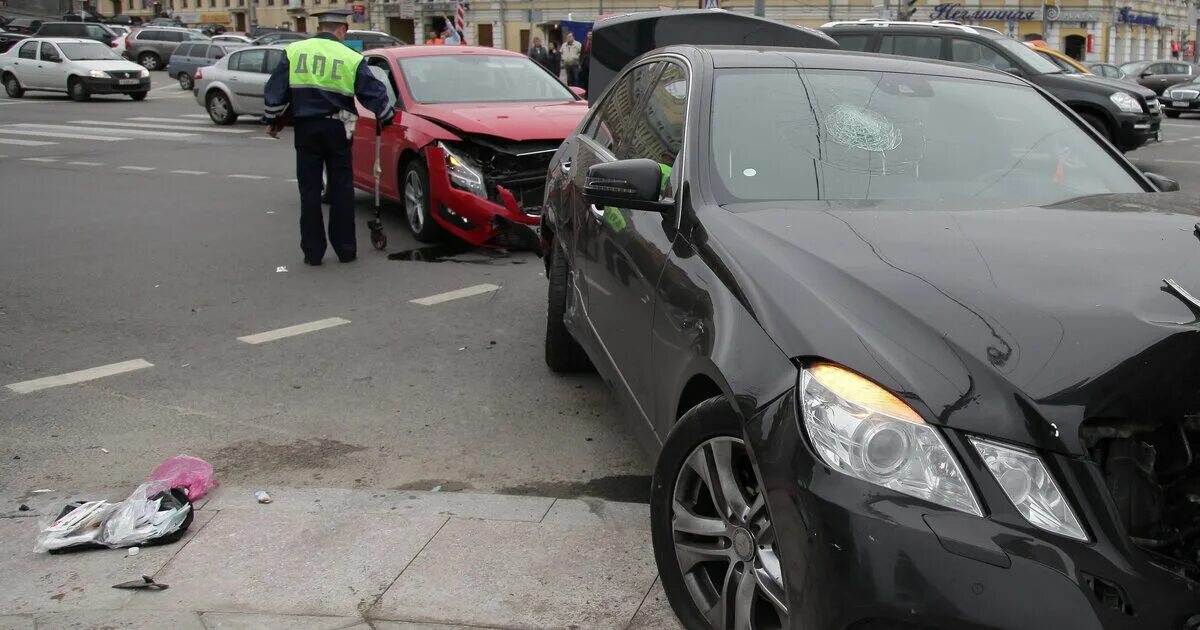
point(253, 17)
point(760, 8)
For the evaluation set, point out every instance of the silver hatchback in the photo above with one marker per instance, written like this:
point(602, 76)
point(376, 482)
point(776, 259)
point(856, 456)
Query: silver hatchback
point(234, 85)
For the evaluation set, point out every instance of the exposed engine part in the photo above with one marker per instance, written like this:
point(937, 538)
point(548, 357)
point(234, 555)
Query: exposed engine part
point(1154, 480)
point(520, 167)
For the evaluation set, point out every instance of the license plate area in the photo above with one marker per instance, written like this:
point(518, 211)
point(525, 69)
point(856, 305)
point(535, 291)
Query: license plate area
point(127, 81)
point(1179, 104)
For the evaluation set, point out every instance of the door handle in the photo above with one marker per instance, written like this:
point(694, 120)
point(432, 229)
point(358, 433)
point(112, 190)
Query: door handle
point(596, 212)
point(566, 166)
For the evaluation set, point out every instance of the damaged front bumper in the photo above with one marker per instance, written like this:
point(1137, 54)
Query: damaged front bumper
point(474, 219)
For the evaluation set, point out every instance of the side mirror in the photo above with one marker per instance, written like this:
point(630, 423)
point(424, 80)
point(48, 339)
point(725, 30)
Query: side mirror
point(634, 184)
point(1146, 73)
point(54, 59)
point(1163, 184)
point(578, 91)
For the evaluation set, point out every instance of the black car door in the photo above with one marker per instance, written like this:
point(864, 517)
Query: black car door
point(631, 245)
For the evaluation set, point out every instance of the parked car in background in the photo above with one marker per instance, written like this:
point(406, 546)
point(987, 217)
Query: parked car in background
point(871, 408)
point(1159, 75)
point(234, 85)
point(232, 38)
point(1127, 115)
point(1106, 70)
point(79, 67)
point(24, 26)
point(7, 40)
point(468, 156)
point(82, 30)
point(370, 40)
point(152, 46)
point(1182, 98)
point(276, 37)
point(191, 56)
point(1064, 62)
point(165, 21)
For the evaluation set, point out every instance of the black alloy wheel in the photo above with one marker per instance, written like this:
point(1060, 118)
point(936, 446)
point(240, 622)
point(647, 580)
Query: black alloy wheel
point(138, 96)
point(150, 61)
point(185, 81)
point(711, 526)
point(1171, 114)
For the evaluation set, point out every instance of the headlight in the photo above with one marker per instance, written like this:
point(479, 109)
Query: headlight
point(1030, 487)
point(1126, 103)
point(865, 431)
point(462, 174)
point(98, 74)
point(144, 73)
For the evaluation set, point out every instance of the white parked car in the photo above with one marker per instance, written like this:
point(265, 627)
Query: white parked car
point(234, 85)
point(232, 39)
point(79, 67)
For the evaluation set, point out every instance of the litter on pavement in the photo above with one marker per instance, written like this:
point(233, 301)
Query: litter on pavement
point(262, 496)
point(145, 583)
point(192, 474)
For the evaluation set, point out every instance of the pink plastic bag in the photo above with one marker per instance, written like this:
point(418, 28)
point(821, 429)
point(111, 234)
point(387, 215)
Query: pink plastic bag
point(192, 474)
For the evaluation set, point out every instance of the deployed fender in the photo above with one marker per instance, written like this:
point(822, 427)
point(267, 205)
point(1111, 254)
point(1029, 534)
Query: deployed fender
point(619, 40)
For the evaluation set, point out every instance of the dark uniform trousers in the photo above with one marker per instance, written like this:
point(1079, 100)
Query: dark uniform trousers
point(321, 144)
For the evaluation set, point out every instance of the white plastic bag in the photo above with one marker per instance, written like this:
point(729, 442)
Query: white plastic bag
point(152, 513)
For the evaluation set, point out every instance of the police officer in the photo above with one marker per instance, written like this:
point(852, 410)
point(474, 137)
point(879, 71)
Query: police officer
point(318, 80)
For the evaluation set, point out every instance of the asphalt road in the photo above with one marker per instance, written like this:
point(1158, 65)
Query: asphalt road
point(167, 245)
point(143, 232)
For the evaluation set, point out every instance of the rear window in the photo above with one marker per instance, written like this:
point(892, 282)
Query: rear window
point(926, 46)
point(248, 61)
point(852, 42)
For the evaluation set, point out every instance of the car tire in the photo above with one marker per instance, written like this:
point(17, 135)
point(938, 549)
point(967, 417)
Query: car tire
point(150, 61)
point(138, 96)
point(563, 352)
point(220, 110)
point(77, 90)
point(1171, 114)
point(735, 541)
point(414, 187)
point(186, 82)
point(1098, 124)
point(12, 87)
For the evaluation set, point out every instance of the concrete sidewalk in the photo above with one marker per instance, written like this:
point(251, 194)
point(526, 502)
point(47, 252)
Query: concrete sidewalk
point(318, 559)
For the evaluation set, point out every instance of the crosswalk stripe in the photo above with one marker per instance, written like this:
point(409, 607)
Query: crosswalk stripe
point(25, 143)
point(53, 134)
point(187, 172)
point(149, 126)
point(193, 116)
point(177, 121)
point(129, 132)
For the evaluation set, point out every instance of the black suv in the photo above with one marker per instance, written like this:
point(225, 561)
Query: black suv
point(82, 30)
point(1126, 114)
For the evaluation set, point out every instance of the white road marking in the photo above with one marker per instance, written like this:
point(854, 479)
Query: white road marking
point(54, 134)
point(264, 138)
point(1177, 161)
point(25, 143)
point(478, 289)
point(239, 176)
point(174, 121)
point(292, 331)
point(129, 132)
point(194, 116)
point(136, 168)
point(187, 172)
point(70, 378)
point(40, 159)
point(86, 163)
point(149, 126)
point(293, 180)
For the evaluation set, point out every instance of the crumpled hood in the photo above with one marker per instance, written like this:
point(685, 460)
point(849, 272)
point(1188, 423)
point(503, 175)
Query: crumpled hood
point(512, 121)
point(1017, 323)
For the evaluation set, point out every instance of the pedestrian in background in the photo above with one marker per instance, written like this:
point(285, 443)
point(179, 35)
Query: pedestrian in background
point(538, 52)
point(572, 52)
point(554, 60)
point(435, 39)
point(318, 80)
point(585, 62)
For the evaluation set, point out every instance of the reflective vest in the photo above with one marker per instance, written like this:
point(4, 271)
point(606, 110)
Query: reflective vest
point(324, 65)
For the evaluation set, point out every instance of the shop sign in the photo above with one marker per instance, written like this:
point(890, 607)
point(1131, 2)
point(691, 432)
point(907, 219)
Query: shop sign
point(1127, 16)
point(955, 11)
point(214, 18)
point(1059, 14)
point(408, 9)
point(359, 9)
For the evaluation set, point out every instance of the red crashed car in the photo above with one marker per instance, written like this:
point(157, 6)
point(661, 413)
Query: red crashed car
point(473, 138)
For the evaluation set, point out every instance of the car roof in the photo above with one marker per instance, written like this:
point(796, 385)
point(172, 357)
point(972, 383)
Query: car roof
point(62, 40)
point(155, 27)
point(768, 57)
point(439, 51)
point(870, 24)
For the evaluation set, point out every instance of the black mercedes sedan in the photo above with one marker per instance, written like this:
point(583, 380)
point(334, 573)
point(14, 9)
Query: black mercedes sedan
point(912, 346)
